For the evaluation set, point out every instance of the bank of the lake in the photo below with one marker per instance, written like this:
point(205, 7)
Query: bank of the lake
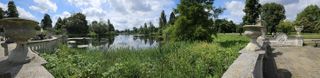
point(172, 60)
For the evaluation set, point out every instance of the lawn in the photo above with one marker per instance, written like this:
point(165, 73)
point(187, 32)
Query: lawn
point(172, 60)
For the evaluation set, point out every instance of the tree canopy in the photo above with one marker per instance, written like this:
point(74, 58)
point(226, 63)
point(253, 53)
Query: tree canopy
point(252, 12)
point(193, 21)
point(272, 14)
point(12, 10)
point(58, 24)
point(77, 24)
point(172, 18)
point(162, 20)
point(46, 22)
point(309, 18)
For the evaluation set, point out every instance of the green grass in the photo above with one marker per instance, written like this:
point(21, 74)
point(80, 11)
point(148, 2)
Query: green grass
point(307, 35)
point(175, 60)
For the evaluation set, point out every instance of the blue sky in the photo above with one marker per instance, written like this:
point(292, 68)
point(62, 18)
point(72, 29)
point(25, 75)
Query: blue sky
point(133, 13)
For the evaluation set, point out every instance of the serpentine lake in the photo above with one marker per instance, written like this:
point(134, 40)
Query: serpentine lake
point(119, 41)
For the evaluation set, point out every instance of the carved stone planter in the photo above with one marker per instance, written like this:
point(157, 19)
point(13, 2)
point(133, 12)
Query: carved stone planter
point(20, 31)
point(253, 32)
point(298, 29)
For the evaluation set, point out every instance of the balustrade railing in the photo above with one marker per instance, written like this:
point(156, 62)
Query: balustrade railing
point(48, 45)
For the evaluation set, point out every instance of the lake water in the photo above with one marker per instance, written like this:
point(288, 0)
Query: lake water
point(119, 41)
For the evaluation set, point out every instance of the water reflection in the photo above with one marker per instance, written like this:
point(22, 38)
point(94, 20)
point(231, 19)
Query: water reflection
point(120, 41)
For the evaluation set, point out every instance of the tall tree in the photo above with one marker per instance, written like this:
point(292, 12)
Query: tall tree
point(152, 28)
point(12, 10)
point(272, 14)
point(162, 20)
point(252, 12)
point(110, 26)
point(309, 18)
point(145, 29)
point(1, 13)
point(193, 21)
point(77, 24)
point(46, 22)
point(58, 24)
point(172, 18)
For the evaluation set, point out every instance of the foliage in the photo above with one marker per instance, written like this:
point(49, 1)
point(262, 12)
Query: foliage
point(46, 22)
point(175, 60)
point(172, 18)
point(285, 26)
point(12, 10)
point(272, 14)
point(101, 28)
point(193, 21)
point(59, 26)
point(1, 13)
point(77, 24)
point(252, 12)
point(162, 20)
point(225, 26)
point(309, 18)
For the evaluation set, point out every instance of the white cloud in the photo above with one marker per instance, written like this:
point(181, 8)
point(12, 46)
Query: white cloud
point(44, 6)
point(22, 12)
point(234, 10)
point(124, 13)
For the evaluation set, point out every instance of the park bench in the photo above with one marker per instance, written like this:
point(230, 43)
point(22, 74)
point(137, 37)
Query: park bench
point(317, 42)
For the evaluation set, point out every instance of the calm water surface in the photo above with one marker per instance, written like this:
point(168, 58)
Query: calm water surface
point(120, 41)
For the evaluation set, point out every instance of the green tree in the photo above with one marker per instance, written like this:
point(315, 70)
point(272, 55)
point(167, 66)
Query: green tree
point(285, 26)
point(77, 24)
point(162, 20)
point(135, 29)
point(225, 26)
point(272, 14)
point(252, 12)
point(1, 13)
point(172, 18)
point(152, 28)
point(309, 18)
point(58, 24)
point(110, 26)
point(100, 28)
point(193, 21)
point(12, 10)
point(145, 29)
point(46, 22)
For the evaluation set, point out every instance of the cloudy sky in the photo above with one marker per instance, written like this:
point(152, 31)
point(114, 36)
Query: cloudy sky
point(133, 13)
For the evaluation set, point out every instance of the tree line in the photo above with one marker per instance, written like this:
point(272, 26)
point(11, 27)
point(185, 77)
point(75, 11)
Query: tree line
point(273, 16)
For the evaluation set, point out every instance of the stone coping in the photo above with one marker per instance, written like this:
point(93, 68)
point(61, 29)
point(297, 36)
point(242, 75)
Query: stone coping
point(33, 69)
point(247, 65)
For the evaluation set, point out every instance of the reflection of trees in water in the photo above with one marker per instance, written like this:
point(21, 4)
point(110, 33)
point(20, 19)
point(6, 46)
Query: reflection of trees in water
point(108, 41)
point(146, 39)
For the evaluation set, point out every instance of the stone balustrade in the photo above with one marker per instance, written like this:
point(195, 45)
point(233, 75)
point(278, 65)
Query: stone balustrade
point(48, 45)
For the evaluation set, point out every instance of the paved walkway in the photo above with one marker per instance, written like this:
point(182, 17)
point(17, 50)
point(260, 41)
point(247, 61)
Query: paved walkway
point(297, 62)
point(33, 69)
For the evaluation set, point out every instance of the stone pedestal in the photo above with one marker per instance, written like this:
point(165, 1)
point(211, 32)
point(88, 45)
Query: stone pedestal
point(21, 54)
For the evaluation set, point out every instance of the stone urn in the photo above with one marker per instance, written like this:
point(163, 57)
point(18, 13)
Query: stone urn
point(298, 29)
point(20, 31)
point(253, 32)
